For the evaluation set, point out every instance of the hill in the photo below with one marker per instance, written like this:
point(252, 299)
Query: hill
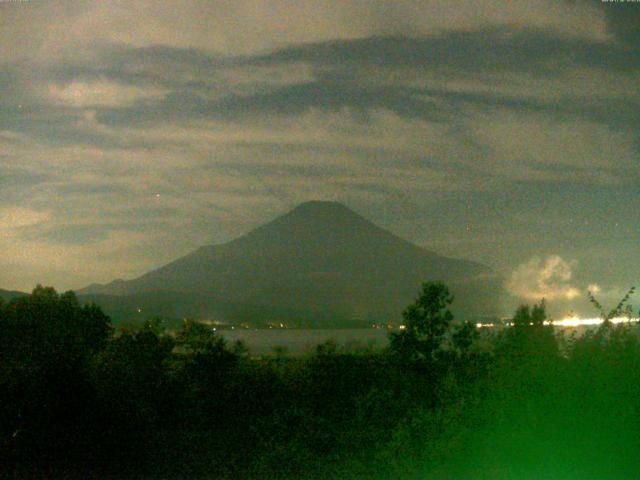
point(8, 295)
point(320, 264)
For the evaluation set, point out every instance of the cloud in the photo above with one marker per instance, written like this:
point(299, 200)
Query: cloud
point(416, 78)
point(67, 265)
point(425, 76)
point(610, 295)
point(52, 29)
point(548, 278)
point(13, 218)
point(594, 288)
point(622, 19)
point(518, 70)
point(235, 111)
point(488, 49)
point(102, 94)
point(542, 147)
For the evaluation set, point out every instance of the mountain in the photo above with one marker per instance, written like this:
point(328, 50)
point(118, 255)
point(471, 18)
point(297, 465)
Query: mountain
point(7, 295)
point(319, 264)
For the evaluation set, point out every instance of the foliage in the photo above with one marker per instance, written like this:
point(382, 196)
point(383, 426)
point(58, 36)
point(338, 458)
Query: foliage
point(81, 400)
point(46, 342)
point(426, 323)
point(532, 338)
point(622, 308)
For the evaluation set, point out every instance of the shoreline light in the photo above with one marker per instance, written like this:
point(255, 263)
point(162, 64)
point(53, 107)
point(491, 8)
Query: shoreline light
point(578, 322)
point(570, 322)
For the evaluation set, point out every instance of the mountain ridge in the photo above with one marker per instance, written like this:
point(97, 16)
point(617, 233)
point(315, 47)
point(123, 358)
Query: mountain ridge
point(7, 295)
point(319, 260)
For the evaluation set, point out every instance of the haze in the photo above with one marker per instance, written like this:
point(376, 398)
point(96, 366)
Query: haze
point(132, 133)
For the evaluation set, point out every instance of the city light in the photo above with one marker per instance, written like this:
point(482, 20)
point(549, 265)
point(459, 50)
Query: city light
point(568, 322)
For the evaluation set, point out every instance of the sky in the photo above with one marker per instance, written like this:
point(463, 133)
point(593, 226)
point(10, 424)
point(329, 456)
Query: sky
point(133, 132)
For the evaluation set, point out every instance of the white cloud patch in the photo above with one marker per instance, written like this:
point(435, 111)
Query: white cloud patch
point(549, 278)
point(610, 295)
point(101, 93)
point(594, 288)
point(12, 218)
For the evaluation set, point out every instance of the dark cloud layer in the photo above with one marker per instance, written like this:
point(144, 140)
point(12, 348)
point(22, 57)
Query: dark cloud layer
point(623, 19)
point(198, 84)
point(505, 48)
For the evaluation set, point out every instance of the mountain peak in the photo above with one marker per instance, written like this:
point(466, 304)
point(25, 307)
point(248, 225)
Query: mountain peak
point(320, 260)
point(311, 222)
point(322, 208)
point(321, 205)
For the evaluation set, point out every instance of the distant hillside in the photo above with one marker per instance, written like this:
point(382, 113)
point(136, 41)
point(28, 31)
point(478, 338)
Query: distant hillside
point(7, 295)
point(320, 264)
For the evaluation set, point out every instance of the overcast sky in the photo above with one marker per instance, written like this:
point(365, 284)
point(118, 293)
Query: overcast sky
point(132, 132)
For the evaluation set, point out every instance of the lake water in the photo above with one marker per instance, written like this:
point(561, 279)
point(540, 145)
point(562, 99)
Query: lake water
point(297, 341)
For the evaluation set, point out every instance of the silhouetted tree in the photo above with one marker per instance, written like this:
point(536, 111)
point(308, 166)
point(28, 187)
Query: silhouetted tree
point(464, 336)
point(527, 316)
point(135, 398)
point(46, 343)
point(426, 323)
point(622, 308)
point(531, 336)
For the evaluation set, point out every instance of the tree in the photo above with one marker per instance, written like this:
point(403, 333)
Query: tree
point(526, 316)
point(426, 323)
point(607, 335)
point(47, 341)
point(623, 308)
point(464, 336)
point(531, 336)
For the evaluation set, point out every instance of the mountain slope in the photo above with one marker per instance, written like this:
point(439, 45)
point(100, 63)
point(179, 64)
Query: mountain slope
point(320, 261)
point(7, 295)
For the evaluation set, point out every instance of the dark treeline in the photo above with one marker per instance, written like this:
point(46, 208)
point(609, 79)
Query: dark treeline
point(80, 399)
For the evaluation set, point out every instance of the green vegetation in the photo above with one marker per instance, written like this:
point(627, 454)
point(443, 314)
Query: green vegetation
point(79, 399)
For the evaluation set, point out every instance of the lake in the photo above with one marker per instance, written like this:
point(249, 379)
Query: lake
point(297, 341)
